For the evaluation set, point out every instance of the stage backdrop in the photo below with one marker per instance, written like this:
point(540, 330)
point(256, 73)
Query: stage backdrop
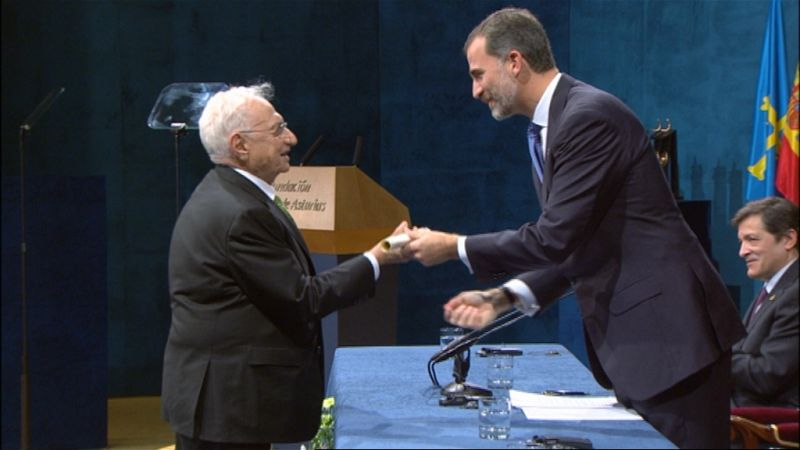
point(67, 310)
point(391, 71)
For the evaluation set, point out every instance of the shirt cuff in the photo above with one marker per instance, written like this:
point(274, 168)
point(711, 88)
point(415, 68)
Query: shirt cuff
point(376, 268)
point(462, 252)
point(525, 300)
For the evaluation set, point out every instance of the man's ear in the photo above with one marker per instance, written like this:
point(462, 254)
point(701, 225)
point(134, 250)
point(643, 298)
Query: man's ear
point(515, 61)
point(238, 147)
point(791, 240)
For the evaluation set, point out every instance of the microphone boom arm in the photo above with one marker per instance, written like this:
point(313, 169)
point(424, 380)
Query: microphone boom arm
point(464, 342)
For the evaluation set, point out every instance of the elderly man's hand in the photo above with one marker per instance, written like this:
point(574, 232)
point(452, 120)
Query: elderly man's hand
point(432, 247)
point(398, 254)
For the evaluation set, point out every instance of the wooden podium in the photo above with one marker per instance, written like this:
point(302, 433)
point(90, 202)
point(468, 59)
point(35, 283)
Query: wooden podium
point(340, 210)
point(341, 213)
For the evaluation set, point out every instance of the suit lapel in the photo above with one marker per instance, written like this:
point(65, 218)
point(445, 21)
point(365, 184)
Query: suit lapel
point(297, 238)
point(297, 235)
point(787, 280)
point(557, 105)
point(762, 311)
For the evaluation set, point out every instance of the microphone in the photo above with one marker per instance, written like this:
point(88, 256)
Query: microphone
point(460, 387)
point(41, 108)
point(357, 151)
point(462, 343)
point(311, 150)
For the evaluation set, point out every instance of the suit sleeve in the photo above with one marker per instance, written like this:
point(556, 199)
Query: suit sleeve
point(589, 168)
point(548, 284)
point(774, 365)
point(266, 264)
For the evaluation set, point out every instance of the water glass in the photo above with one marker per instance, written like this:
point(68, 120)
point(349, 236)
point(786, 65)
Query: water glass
point(494, 418)
point(501, 372)
point(449, 334)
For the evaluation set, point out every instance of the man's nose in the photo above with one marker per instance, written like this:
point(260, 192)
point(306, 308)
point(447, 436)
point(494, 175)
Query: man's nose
point(743, 250)
point(477, 90)
point(292, 138)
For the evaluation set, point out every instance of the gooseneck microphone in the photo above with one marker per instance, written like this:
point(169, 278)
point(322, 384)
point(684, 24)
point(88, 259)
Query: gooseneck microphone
point(357, 152)
point(311, 150)
point(464, 342)
point(41, 108)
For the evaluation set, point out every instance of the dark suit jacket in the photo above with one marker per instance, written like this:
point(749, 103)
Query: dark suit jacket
point(243, 361)
point(654, 309)
point(765, 362)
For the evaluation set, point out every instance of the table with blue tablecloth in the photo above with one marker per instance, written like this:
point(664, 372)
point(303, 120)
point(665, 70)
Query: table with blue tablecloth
point(385, 399)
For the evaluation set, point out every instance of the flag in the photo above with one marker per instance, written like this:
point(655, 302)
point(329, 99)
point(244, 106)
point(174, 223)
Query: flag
point(788, 178)
point(770, 94)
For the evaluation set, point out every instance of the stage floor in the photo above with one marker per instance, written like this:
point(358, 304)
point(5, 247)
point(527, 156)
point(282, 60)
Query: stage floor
point(134, 423)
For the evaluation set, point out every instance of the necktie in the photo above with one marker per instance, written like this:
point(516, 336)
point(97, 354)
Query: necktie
point(535, 148)
point(759, 300)
point(282, 207)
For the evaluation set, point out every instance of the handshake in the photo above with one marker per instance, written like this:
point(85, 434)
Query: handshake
point(428, 247)
point(469, 309)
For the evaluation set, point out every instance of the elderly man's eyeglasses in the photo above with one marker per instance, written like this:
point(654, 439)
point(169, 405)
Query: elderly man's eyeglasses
point(276, 131)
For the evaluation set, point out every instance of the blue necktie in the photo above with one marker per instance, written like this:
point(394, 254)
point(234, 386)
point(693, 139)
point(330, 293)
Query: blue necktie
point(535, 148)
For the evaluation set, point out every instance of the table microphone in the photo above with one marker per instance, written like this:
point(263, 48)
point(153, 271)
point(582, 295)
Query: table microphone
point(462, 343)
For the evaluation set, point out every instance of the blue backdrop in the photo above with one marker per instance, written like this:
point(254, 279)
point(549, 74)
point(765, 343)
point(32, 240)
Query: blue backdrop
point(391, 71)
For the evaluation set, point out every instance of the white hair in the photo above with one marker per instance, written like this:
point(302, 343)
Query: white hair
point(223, 115)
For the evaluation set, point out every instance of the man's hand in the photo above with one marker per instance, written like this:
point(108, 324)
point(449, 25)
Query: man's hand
point(432, 247)
point(476, 309)
point(397, 255)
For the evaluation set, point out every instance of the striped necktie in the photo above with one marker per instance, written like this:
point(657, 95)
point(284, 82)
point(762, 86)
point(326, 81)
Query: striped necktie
point(282, 207)
point(758, 304)
point(535, 149)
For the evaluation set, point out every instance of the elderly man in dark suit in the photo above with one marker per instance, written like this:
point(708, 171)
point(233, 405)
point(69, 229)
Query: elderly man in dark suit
point(765, 362)
point(243, 361)
point(658, 320)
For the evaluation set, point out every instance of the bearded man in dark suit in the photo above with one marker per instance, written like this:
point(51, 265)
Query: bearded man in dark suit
point(658, 321)
point(243, 365)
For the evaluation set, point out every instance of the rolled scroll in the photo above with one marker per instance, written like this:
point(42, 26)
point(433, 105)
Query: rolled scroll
point(394, 242)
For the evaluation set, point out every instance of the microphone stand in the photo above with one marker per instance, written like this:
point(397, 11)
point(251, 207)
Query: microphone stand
point(455, 348)
point(24, 388)
point(460, 387)
point(178, 130)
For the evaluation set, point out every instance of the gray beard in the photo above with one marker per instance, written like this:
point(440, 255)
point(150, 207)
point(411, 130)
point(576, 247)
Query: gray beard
point(501, 111)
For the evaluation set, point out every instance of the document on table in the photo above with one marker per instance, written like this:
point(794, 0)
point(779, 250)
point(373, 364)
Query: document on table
point(549, 407)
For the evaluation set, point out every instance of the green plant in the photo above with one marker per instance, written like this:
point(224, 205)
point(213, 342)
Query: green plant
point(325, 435)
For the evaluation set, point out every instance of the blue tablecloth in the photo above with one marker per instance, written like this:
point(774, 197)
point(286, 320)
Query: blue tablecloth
point(385, 399)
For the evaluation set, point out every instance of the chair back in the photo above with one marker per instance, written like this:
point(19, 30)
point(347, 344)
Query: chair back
point(755, 425)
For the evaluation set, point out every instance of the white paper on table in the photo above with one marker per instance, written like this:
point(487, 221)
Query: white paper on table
point(579, 407)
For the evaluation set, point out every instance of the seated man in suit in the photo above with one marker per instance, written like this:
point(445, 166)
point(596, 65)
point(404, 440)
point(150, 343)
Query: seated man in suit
point(765, 362)
point(243, 364)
